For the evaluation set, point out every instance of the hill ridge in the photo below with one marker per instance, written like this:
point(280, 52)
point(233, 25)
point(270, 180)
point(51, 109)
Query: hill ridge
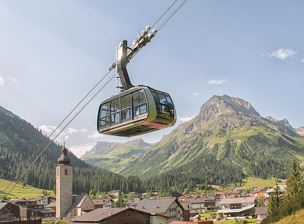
point(226, 130)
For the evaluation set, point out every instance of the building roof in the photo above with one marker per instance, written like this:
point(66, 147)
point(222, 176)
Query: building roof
point(43, 210)
point(100, 214)
point(156, 206)
point(77, 201)
point(101, 201)
point(241, 200)
point(2, 205)
point(64, 159)
point(261, 210)
point(224, 211)
point(185, 205)
point(51, 205)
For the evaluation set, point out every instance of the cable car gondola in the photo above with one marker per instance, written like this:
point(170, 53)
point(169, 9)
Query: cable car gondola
point(135, 110)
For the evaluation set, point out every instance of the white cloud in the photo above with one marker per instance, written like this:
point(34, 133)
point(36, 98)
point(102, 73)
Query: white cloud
point(217, 81)
point(303, 60)
point(7, 78)
point(1, 81)
point(283, 53)
point(48, 129)
point(95, 135)
point(184, 119)
point(72, 130)
point(80, 150)
point(67, 134)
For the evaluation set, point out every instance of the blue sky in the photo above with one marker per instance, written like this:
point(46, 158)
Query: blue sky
point(52, 52)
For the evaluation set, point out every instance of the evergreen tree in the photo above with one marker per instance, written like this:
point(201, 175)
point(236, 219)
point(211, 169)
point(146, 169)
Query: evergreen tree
point(294, 182)
point(293, 198)
point(274, 205)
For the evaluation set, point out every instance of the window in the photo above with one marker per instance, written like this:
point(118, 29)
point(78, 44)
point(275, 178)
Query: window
point(140, 103)
point(115, 114)
point(126, 107)
point(104, 114)
point(163, 103)
point(65, 172)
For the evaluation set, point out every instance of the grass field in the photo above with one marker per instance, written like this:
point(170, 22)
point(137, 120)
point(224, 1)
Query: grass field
point(247, 221)
point(21, 191)
point(249, 183)
point(252, 182)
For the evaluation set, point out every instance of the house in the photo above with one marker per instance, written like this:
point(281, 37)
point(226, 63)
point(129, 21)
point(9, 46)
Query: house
point(52, 206)
point(237, 207)
point(200, 205)
point(114, 216)
point(162, 210)
point(9, 212)
point(186, 211)
point(102, 203)
point(81, 204)
point(29, 209)
point(261, 213)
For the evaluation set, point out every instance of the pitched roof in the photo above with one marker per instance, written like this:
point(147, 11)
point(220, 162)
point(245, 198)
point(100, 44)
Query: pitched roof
point(77, 199)
point(185, 205)
point(52, 204)
point(235, 210)
point(157, 206)
point(101, 201)
point(100, 214)
point(242, 200)
point(2, 205)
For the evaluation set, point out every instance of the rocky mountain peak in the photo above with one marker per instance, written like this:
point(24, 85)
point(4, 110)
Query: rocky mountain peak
point(138, 142)
point(218, 105)
point(300, 131)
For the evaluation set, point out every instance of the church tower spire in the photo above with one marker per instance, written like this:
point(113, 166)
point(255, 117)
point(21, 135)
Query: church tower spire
point(64, 184)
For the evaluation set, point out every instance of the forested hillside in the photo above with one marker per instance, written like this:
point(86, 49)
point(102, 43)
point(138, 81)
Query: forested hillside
point(19, 140)
point(225, 142)
point(115, 156)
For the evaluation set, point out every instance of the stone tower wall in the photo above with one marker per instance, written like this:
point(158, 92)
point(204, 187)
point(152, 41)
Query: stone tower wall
point(64, 189)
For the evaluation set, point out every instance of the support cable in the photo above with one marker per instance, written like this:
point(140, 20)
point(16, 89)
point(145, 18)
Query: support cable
point(57, 128)
point(113, 65)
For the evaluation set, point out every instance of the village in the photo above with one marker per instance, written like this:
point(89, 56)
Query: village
point(247, 206)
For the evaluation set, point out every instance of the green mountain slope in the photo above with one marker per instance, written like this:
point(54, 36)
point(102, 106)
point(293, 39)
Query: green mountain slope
point(225, 142)
point(24, 191)
point(19, 140)
point(115, 156)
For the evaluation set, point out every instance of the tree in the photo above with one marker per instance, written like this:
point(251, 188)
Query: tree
point(274, 205)
point(121, 202)
point(294, 182)
point(293, 198)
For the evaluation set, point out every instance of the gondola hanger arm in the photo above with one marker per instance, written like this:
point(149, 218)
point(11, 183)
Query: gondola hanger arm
point(125, 53)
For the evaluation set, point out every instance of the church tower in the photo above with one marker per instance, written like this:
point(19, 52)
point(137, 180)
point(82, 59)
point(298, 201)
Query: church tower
point(64, 184)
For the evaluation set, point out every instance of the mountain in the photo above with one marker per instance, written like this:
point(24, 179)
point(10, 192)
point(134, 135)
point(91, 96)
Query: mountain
point(19, 140)
point(114, 156)
point(225, 142)
point(300, 131)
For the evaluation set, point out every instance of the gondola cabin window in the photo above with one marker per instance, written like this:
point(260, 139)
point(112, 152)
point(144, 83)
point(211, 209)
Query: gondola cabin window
point(140, 103)
point(104, 114)
point(126, 108)
point(115, 111)
point(163, 102)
